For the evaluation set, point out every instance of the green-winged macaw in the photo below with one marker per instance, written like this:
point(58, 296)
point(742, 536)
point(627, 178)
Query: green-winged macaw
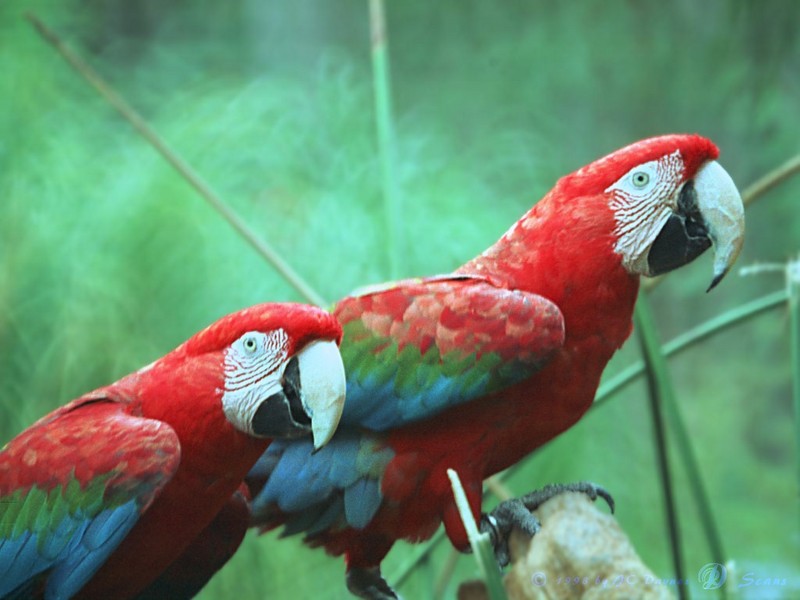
point(473, 370)
point(123, 492)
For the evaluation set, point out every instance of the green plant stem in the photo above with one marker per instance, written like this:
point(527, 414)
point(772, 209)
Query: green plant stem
point(793, 289)
point(446, 574)
point(386, 137)
point(181, 166)
point(659, 388)
point(479, 542)
point(492, 486)
point(419, 555)
point(693, 337)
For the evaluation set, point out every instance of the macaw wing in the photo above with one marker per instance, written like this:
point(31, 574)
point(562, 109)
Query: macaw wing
point(411, 350)
point(71, 488)
point(312, 491)
point(420, 346)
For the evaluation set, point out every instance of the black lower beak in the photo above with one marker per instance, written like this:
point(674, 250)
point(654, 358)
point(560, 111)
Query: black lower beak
point(282, 414)
point(683, 238)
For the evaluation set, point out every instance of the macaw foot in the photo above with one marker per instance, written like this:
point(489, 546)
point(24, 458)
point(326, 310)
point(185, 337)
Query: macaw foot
point(369, 584)
point(517, 513)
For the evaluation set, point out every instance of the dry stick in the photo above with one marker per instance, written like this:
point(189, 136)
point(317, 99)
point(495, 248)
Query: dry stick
point(495, 485)
point(181, 166)
point(771, 180)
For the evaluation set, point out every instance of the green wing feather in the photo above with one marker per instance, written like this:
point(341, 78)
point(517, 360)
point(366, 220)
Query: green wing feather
point(417, 347)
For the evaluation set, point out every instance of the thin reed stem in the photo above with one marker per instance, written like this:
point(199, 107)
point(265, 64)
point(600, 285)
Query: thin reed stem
point(659, 388)
point(386, 137)
point(179, 164)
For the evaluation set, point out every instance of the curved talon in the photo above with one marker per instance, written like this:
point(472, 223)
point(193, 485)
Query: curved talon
point(517, 512)
point(535, 499)
point(605, 495)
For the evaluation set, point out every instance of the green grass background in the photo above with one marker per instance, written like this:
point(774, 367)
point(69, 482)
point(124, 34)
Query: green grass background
point(108, 259)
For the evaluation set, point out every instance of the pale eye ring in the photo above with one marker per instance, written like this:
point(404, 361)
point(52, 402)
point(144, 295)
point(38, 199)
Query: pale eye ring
point(250, 344)
point(640, 179)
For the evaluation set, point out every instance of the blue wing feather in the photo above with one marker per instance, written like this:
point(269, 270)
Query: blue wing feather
point(341, 481)
point(378, 405)
point(71, 556)
point(101, 537)
point(411, 350)
point(362, 499)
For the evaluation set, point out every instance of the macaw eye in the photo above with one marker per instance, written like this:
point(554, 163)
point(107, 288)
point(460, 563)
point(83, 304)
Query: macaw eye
point(250, 344)
point(640, 179)
point(256, 345)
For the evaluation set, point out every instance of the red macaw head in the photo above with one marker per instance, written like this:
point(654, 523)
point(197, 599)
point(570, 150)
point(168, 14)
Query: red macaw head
point(670, 199)
point(274, 368)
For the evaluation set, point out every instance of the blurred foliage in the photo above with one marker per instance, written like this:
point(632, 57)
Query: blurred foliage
point(108, 259)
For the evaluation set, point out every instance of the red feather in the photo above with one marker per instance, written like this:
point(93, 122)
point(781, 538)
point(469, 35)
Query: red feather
point(161, 438)
point(183, 389)
point(563, 250)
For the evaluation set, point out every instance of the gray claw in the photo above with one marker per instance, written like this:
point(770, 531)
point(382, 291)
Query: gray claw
point(535, 499)
point(517, 513)
point(502, 520)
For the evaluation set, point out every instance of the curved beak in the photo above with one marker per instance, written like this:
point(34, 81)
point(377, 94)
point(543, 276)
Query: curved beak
point(723, 210)
point(709, 212)
point(323, 388)
point(311, 397)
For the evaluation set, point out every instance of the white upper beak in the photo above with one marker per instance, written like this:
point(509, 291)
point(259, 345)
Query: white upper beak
point(323, 388)
point(721, 205)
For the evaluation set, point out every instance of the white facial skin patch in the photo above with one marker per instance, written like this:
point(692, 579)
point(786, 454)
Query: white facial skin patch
point(643, 199)
point(253, 369)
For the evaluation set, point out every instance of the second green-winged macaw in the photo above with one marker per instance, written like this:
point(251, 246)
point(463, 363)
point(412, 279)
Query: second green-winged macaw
point(473, 370)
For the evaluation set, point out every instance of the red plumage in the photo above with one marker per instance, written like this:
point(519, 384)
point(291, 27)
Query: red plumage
point(183, 390)
point(164, 455)
point(563, 250)
point(555, 294)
